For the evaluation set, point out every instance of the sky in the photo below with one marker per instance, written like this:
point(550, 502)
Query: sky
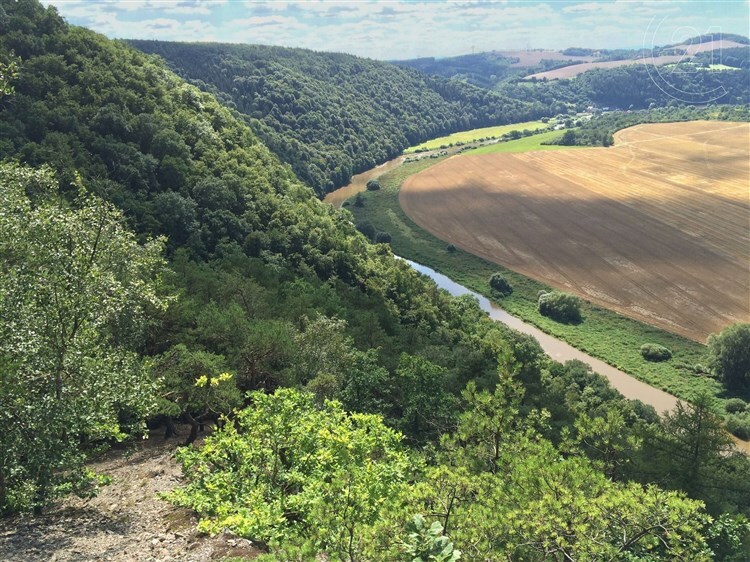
point(392, 30)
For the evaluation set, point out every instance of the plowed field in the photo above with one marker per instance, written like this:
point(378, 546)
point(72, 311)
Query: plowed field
point(657, 227)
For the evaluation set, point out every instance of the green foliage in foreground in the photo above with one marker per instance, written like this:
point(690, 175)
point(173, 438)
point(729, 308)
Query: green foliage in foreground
point(287, 469)
point(76, 294)
point(341, 484)
point(605, 334)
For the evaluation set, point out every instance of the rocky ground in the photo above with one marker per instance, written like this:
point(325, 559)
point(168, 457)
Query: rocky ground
point(125, 522)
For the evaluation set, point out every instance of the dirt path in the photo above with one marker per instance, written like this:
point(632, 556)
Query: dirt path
point(125, 522)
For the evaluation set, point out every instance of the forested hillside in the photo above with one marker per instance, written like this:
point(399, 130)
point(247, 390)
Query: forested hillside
point(371, 416)
point(637, 87)
point(331, 115)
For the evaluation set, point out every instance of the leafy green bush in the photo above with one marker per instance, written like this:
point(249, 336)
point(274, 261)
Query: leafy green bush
point(383, 237)
point(288, 470)
point(366, 228)
point(655, 352)
point(373, 185)
point(450, 248)
point(739, 425)
point(428, 543)
point(735, 405)
point(560, 306)
point(500, 285)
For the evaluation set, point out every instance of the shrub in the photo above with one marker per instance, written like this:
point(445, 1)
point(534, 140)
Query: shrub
point(729, 355)
point(383, 237)
point(735, 406)
point(739, 425)
point(450, 248)
point(359, 201)
point(499, 284)
point(560, 306)
point(373, 185)
point(366, 228)
point(655, 352)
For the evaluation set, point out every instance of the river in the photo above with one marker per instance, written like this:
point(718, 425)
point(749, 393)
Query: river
point(629, 386)
point(626, 384)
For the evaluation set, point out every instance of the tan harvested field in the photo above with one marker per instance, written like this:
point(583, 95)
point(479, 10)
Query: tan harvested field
point(576, 69)
point(656, 228)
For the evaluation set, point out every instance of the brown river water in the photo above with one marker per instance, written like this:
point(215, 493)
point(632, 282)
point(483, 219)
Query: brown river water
point(626, 384)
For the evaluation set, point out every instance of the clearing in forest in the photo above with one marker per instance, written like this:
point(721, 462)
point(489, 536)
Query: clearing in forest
point(655, 228)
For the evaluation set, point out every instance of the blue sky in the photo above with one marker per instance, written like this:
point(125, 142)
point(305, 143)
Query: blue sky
point(398, 29)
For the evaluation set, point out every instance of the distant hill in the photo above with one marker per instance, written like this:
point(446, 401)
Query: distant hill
point(489, 69)
point(672, 54)
point(332, 115)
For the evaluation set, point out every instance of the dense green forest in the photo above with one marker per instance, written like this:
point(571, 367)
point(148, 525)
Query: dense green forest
point(481, 69)
point(331, 115)
point(160, 263)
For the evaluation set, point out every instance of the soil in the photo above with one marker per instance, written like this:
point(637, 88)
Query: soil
point(125, 522)
point(655, 228)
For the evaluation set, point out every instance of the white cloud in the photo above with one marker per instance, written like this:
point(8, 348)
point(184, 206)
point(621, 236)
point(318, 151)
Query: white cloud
point(394, 29)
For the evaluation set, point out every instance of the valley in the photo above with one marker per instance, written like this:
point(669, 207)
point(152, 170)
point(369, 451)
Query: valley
point(209, 353)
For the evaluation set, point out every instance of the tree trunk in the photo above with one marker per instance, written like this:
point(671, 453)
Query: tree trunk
point(171, 430)
point(194, 426)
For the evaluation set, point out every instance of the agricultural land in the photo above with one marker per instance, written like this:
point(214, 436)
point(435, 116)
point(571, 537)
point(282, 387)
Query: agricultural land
point(655, 228)
point(687, 52)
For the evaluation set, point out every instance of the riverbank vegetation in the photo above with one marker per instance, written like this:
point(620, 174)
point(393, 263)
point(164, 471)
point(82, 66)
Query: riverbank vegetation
point(348, 393)
point(604, 334)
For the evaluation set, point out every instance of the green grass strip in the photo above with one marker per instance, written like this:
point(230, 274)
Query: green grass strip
point(476, 134)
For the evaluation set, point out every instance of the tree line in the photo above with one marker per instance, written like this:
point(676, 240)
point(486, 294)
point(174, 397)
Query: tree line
point(189, 275)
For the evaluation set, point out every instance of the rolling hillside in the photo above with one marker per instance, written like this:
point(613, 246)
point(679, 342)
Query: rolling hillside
point(686, 53)
point(331, 115)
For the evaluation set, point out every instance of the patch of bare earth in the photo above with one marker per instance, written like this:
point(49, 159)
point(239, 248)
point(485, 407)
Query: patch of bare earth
point(125, 522)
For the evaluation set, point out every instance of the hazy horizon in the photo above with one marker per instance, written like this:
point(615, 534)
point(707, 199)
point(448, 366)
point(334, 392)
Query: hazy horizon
point(393, 30)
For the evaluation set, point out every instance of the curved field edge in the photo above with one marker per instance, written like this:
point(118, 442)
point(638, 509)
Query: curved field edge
point(604, 334)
